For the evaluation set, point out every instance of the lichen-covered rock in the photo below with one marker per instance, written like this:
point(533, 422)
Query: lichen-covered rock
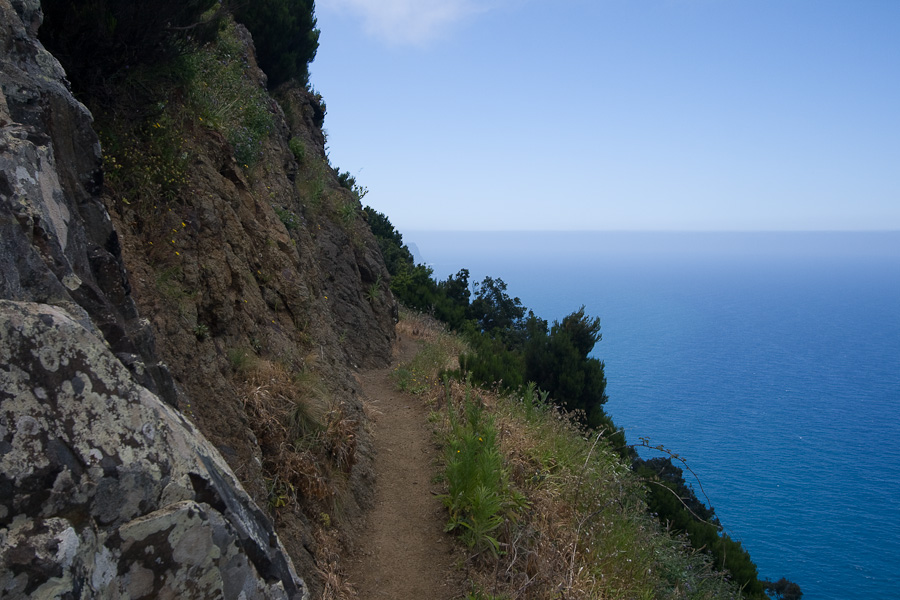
point(57, 242)
point(105, 491)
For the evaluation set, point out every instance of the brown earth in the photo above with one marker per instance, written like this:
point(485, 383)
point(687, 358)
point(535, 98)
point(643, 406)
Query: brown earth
point(403, 551)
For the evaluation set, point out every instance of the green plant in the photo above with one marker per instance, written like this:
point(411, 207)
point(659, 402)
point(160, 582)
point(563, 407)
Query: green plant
point(347, 212)
point(373, 294)
point(479, 498)
point(298, 149)
point(145, 162)
point(201, 331)
point(535, 402)
point(424, 370)
point(241, 360)
point(168, 284)
point(281, 493)
point(315, 192)
point(226, 97)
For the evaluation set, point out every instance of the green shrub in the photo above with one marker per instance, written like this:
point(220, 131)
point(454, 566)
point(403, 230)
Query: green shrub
point(298, 149)
point(479, 497)
point(145, 162)
point(241, 360)
point(290, 220)
point(285, 35)
point(99, 41)
point(226, 98)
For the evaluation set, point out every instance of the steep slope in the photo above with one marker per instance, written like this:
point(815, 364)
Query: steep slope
point(260, 265)
point(244, 297)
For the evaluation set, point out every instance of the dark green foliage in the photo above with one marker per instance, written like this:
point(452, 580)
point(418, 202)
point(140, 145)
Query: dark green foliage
point(491, 361)
point(345, 179)
point(456, 288)
point(493, 309)
point(285, 35)
point(783, 589)
point(558, 362)
point(100, 41)
point(397, 257)
point(677, 506)
point(413, 284)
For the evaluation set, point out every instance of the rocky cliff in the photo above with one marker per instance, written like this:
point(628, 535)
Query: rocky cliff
point(159, 358)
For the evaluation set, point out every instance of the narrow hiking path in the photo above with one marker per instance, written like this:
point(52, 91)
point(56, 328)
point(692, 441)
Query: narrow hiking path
point(403, 551)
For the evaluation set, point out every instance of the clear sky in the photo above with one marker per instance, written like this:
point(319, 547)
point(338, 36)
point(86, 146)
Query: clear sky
point(617, 114)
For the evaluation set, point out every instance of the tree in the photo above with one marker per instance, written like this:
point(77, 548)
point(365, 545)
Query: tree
point(558, 363)
point(582, 330)
point(493, 310)
point(285, 35)
point(396, 254)
point(783, 589)
point(677, 506)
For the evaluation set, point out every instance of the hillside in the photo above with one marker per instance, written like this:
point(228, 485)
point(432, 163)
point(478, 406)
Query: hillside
point(220, 307)
point(199, 346)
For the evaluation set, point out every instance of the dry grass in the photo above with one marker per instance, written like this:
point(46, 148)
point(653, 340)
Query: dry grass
point(308, 447)
point(328, 561)
point(420, 326)
point(586, 532)
point(439, 352)
point(308, 444)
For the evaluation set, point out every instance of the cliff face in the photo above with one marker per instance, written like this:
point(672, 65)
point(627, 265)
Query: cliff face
point(149, 355)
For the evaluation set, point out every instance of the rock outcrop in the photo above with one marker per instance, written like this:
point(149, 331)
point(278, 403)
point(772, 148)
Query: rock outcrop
point(107, 489)
point(57, 242)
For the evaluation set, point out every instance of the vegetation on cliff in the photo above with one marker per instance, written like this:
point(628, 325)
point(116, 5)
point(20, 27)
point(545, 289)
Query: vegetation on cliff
point(547, 508)
point(246, 255)
point(543, 367)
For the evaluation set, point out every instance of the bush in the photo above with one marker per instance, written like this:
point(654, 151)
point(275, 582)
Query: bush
point(99, 40)
point(226, 98)
point(285, 35)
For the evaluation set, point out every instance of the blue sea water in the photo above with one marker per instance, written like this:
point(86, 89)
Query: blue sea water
point(770, 361)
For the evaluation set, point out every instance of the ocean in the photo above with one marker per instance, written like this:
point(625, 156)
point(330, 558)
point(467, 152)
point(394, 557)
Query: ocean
point(769, 361)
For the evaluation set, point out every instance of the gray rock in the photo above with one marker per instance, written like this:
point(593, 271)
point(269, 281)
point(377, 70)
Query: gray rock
point(106, 491)
point(57, 242)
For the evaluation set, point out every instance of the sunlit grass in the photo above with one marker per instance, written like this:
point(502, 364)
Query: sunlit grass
point(579, 524)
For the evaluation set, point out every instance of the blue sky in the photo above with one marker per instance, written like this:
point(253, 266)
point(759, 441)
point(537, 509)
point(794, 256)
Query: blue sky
point(617, 114)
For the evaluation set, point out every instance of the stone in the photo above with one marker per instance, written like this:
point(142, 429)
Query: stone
point(105, 490)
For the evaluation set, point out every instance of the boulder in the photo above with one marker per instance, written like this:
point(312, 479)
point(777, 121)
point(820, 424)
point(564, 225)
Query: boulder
point(105, 490)
point(57, 241)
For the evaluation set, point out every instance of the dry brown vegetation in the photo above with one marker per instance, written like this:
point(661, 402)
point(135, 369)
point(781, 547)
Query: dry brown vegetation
point(308, 443)
point(583, 530)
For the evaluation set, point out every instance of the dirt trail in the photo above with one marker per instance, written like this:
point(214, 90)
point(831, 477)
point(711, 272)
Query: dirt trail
point(403, 551)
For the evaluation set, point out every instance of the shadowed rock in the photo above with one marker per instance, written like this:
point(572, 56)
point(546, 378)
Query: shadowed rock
point(107, 491)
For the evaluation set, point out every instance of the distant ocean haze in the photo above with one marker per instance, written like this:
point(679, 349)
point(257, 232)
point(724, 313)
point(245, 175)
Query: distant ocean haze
point(770, 361)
